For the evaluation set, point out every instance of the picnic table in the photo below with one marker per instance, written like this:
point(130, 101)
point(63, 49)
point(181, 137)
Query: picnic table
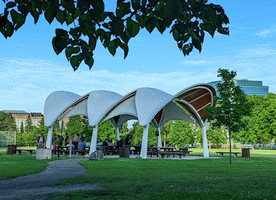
point(168, 151)
point(66, 150)
point(235, 154)
point(30, 151)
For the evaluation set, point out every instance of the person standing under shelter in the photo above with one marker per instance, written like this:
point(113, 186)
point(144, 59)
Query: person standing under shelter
point(40, 141)
point(77, 138)
point(66, 139)
point(128, 140)
point(60, 140)
point(82, 139)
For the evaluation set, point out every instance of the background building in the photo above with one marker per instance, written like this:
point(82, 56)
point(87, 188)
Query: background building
point(249, 87)
point(21, 116)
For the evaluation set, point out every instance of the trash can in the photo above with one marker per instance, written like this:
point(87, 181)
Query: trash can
point(124, 151)
point(245, 152)
point(11, 149)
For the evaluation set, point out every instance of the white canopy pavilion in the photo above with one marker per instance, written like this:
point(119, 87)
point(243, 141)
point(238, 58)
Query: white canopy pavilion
point(147, 105)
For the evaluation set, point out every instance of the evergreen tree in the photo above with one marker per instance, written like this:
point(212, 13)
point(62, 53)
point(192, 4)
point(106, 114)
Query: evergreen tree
point(62, 127)
point(28, 124)
point(7, 122)
point(22, 127)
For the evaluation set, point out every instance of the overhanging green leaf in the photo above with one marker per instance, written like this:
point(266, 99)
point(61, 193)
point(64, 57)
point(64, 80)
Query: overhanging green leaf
point(18, 19)
point(59, 43)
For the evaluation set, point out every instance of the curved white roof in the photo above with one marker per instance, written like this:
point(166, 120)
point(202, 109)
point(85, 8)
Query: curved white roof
point(145, 104)
point(148, 103)
point(99, 103)
point(56, 103)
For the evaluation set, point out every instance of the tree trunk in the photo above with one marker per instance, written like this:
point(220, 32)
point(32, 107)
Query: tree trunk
point(165, 140)
point(230, 146)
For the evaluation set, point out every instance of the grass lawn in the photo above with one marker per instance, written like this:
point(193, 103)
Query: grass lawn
point(245, 178)
point(12, 166)
point(122, 178)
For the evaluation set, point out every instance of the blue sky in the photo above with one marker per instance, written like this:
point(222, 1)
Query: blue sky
point(30, 70)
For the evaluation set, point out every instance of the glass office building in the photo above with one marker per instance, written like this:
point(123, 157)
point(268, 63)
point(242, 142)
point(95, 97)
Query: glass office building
point(249, 87)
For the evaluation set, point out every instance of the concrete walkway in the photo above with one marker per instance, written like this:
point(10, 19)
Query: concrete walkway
point(29, 187)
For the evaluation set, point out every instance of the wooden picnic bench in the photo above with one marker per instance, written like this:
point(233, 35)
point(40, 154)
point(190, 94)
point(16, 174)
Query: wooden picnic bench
point(174, 153)
point(235, 154)
point(76, 152)
point(66, 151)
point(168, 153)
point(30, 151)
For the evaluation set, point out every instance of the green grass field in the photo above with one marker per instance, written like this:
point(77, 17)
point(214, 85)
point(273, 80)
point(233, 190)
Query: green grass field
point(13, 166)
point(245, 178)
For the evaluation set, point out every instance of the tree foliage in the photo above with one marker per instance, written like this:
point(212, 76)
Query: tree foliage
point(106, 131)
point(137, 134)
point(7, 122)
point(79, 124)
point(74, 125)
point(29, 125)
point(181, 134)
point(23, 139)
point(21, 127)
point(216, 135)
point(261, 124)
point(231, 104)
point(88, 22)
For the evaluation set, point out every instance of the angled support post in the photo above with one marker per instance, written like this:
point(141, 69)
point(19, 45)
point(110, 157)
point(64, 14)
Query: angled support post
point(144, 148)
point(93, 145)
point(159, 141)
point(117, 130)
point(204, 140)
point(49, 137)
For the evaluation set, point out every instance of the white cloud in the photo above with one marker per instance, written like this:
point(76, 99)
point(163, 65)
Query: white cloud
point(257, 52)
point(264, 33)
point(195, 62)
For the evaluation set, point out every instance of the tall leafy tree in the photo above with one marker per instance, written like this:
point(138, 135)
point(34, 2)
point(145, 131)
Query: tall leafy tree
point(181, 133)
point(261, 124)
point(106, 131)
point(124, 131)
point(31, 137)
point(137, 134)
point(88, 22)
point(75, 125)
point(87, 131)
point(166, 131)
point(56, 129)
point(216, 135)
point(232, 105)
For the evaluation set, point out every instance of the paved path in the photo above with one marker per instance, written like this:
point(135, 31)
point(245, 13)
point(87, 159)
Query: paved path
point(27, 187)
